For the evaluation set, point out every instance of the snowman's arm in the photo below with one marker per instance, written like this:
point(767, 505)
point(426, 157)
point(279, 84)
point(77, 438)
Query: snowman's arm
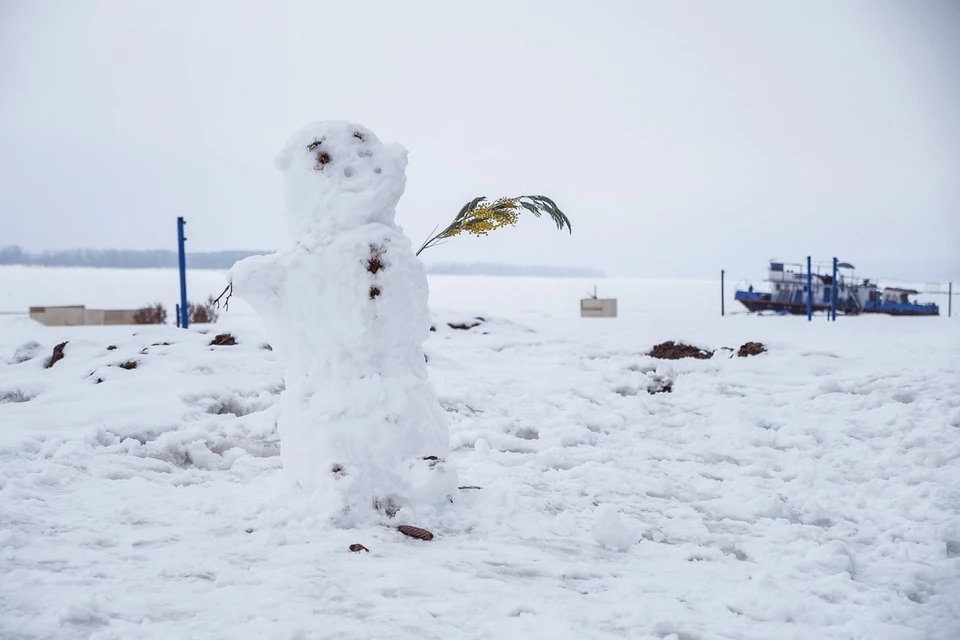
point(260, 280)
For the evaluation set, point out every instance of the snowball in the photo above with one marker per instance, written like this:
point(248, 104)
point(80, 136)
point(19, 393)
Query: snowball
point(612, 531)
point(481, 446)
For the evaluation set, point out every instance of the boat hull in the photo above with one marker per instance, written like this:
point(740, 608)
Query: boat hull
point(755, 301)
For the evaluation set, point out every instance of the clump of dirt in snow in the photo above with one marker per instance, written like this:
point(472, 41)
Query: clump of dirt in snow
point(57, 355)
point(660, 385)
point(676, 350)
point(129, 365)
point(15, 395)
point(26, 351)
point(223, 340)
point(751, 349)
point(465, 326)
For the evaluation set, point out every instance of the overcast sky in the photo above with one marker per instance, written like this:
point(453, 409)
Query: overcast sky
point(676, 135)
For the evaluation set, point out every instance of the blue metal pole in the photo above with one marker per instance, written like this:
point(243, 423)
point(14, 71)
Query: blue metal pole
point(723, 310)
point(184, 322)
point(833, 295)
point(809, 291)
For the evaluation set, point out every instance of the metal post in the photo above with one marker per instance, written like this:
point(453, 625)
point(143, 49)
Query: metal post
point(178, 316)
point(833, 294)
point(809, 291)
point(723, 310)
point(950, 300)
point(184, 322)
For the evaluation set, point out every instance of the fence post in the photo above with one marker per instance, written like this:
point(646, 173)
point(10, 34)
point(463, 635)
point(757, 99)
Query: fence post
point(950, 300)
point(833, 293)
point(184, 321)
point(723, 302)
point(809, 291)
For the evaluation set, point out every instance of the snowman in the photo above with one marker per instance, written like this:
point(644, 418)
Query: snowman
point(344, 303)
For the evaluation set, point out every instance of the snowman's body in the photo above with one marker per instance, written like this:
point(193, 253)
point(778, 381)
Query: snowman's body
point(345, 304)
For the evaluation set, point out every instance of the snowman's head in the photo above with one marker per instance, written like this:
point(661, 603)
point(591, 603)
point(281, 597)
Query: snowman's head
point(338, 175)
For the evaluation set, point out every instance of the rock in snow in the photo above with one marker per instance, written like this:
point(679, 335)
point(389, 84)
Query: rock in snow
point(345, 306)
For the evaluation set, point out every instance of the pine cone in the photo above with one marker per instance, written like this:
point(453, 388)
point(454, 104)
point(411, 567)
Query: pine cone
point(415, 532)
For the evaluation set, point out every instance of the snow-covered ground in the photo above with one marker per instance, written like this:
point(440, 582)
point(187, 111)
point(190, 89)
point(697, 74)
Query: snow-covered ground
point(812, 491)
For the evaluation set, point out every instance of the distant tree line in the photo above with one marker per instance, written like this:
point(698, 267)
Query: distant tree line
point(121, 259)
point(165, 259)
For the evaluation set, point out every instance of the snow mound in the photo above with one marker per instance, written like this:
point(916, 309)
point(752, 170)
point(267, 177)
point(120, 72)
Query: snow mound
point(26, 351)
point(611, 530)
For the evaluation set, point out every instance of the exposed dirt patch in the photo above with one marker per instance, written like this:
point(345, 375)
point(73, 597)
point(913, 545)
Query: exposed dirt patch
point(387, 507)
point(223, 340)
point(14, 396)
point(129, 365)
point(57, 355)
point(374, 291)
point(357, 548)
point(677, 350)
point(26, 351)
point(112, 347)
point(432, 461)
point(466, 326)
point(751, 349)
point(660, 385)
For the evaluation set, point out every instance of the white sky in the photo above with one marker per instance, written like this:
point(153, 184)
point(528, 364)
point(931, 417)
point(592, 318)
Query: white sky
point(677, 135)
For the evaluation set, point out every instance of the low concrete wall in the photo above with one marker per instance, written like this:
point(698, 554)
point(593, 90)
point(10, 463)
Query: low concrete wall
point(119, 316)
point(598, 308)
point(77, 315)
point(59, 316)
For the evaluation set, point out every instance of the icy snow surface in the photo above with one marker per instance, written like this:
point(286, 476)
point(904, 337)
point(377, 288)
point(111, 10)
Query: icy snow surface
point(809, 492)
